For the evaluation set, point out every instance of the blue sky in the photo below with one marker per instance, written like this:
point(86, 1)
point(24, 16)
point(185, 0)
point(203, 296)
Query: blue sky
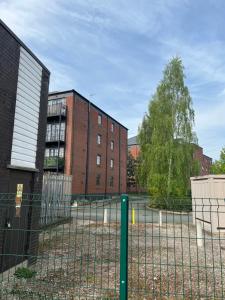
point(113, 52)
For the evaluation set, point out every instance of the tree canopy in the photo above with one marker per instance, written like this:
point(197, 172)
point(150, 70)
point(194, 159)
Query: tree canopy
point(166, 136)
point(218, 167)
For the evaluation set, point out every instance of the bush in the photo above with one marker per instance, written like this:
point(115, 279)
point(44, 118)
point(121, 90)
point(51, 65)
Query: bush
point(24, 273)
point(173, 204)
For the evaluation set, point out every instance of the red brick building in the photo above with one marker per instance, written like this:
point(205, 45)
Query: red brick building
point(205, 162)
point(84, 141)
point(133, 147)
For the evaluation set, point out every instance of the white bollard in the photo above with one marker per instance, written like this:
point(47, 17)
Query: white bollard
point(160, 218)
point(105, 216)
point(75, 204)
point(199, 233)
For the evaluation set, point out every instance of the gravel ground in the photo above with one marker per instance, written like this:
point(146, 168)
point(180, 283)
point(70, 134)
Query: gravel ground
point(80, 260)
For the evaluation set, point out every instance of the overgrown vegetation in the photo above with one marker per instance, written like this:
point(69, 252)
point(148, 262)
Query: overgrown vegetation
point(167, 139)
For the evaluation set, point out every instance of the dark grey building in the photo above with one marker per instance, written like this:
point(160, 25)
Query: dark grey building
point(24, 82)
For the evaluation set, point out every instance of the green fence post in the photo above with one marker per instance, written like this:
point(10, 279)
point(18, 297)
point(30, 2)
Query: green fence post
point(124, 248)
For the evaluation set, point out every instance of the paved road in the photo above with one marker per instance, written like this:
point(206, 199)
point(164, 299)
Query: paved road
point(95, 212)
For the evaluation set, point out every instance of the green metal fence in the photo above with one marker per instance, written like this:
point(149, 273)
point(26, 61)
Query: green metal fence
point(110, 249)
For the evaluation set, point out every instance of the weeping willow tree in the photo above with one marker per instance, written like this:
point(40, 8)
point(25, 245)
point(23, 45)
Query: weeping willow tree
point(166, 137)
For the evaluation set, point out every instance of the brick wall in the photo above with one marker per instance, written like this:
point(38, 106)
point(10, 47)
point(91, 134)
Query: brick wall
point(82, 148)
point(9, 178)
point(79, 154)
point(204, 161)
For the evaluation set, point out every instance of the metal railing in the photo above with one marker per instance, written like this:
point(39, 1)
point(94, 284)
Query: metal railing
point(127, 249)
point(55, 136)
point(54, 162)
point(56, 110)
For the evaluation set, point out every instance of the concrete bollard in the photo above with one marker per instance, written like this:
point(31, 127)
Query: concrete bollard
point(105, 216)
point(199, 233)
point(160, 218)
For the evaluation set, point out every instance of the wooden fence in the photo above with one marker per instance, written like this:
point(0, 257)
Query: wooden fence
point(56, 198)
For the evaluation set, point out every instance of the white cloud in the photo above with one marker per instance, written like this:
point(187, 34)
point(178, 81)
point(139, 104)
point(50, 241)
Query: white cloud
point(79, 42)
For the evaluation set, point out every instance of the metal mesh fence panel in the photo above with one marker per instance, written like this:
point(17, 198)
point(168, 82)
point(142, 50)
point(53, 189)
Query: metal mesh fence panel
point(176, 251)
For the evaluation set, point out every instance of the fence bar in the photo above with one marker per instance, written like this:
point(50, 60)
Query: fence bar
point(124, 248)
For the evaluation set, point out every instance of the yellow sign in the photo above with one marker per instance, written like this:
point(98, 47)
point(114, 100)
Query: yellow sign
point(19, 191)
point(19, 194)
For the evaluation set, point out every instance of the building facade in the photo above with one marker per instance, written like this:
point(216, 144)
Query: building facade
point(205, 162)
point(24, 82)
point(85, 142)
point(133, 147)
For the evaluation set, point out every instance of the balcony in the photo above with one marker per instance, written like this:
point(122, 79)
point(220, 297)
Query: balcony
point(56, 136)
point(56, 110)
point(53, 163)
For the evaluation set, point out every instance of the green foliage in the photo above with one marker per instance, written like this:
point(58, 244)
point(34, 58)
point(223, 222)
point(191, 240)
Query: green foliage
point(218, 167)
point(166, 137)
point(131, 165)
point(24, 273)
point(173, 203)
point(132, 170)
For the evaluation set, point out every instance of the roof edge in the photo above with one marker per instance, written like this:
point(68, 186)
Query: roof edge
point(88, 101)
point(23, 45)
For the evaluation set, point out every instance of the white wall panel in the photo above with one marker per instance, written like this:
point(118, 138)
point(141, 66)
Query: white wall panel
point(28, 114)
point(24, 145)
point(27, 72)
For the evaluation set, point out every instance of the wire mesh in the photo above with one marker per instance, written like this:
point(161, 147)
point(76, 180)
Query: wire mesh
point(175, 252)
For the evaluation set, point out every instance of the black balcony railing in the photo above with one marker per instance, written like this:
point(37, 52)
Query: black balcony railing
point(53, 162)
point(56, 110)
point(55, 136)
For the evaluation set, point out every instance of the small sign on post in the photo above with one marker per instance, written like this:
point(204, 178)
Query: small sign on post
point(19, 196)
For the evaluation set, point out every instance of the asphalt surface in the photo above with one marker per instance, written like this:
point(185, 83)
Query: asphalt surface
point(143, 214)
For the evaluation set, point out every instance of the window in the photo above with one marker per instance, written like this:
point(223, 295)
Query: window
point(61, 152)
point(52, 152)
point(111, 181)
point(98, 161)
point(99, 137)
point(112, 127)
point(99, 119)
point(112, 145)
point(111, 163)
point(57, 101)
point(46, 152)
point(98, 179)
point(55, 131)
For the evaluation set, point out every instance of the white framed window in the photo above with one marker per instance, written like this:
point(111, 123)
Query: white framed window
point(111, 163)
point(98, 160)
point(99, 119)
point(99, 139)
point(112, 145)
point(112, 127)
